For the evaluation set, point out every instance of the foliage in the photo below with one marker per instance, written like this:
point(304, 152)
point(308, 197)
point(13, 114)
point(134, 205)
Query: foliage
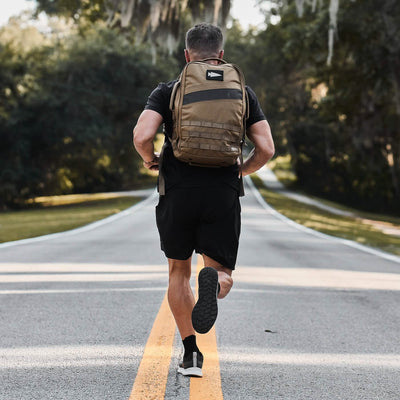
point(158, 23)
point(69, 111)
point(69, 98)
point(340, 123)
point(92, 10)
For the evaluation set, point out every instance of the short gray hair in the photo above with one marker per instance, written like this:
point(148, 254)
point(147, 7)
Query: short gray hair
point(206, 40)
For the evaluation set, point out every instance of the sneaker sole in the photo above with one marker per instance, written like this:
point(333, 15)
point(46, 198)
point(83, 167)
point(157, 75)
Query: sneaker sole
point(205, 311)
point(192, 371)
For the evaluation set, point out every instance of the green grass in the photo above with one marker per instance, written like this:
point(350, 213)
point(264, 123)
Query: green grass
point(360, 229)
point(281, 165)
point(60, 213)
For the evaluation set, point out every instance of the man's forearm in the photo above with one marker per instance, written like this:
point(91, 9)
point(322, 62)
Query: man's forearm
point(145, 149)
point(260, 135)
point(143, 137)
point(255, 161)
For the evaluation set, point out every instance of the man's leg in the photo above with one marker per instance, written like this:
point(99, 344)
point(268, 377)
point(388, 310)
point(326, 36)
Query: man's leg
point(214, 281)
point(181, 302)
point(224, 275)
point(180, 295)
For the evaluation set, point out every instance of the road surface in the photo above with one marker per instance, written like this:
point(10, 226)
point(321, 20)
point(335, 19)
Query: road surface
point(83, 316)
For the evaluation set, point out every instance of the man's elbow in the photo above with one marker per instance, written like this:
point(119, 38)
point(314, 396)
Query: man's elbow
point(270, 152)
point(267, 152)
point(138, 138)
point(134, 135)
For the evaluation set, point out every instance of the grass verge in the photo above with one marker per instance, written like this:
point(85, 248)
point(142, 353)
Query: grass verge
point(357, 229)
point(53, 217)
point(282, 167)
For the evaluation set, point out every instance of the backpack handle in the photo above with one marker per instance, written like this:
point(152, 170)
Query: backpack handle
point(215, 59)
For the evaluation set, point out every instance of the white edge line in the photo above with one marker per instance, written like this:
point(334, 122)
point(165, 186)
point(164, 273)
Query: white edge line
point(74, 291)
point(355, 245)
point(84, 228)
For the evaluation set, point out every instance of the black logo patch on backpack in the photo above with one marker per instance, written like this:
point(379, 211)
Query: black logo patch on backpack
point(215, 75)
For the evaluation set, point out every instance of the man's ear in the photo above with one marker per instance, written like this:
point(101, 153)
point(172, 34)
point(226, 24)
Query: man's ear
point(187, 56)
point(221, 54)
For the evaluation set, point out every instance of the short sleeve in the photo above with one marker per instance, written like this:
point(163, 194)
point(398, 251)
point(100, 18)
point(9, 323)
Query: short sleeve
point(255, 112)
point(157, 100)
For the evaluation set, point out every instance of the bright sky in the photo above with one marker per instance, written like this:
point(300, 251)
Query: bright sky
point(244, 10)
point(247, 12)
point(9, 8)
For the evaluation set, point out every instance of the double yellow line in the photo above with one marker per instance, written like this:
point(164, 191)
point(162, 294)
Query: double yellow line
point(151, 379)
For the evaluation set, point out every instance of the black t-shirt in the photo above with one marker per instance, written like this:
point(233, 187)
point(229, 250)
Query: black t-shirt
point(180, 174)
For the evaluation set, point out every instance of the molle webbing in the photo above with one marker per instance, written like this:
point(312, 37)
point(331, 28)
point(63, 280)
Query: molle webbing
point(209, 135)
point(212, 147)
point(217, 125)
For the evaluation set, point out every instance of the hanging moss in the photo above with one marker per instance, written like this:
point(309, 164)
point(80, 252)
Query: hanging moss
point(159, 22)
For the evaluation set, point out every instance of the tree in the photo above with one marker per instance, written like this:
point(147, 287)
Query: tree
point(314, 6)
point(16, 83)
point(75, 106)
point(158, 23)
point(340, 121)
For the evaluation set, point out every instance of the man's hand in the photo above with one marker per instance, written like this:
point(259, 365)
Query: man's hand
point(153, 164)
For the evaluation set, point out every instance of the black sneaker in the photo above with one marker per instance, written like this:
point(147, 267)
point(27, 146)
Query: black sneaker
point(191, 365)
point(205, 311)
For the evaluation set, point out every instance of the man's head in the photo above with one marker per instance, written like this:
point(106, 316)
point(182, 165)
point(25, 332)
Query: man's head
point(204, 41)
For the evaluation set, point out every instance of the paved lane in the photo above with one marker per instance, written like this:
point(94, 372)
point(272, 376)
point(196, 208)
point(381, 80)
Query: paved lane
point(76, 309)
point(308, 318)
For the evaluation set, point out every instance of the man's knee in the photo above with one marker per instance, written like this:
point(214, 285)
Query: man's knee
point(180, 268)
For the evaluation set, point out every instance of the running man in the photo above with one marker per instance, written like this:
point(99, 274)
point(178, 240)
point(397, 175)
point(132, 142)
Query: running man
point(200, 210)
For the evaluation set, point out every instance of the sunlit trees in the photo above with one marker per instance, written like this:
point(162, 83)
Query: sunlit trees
point(340, 122)
point(69, 97)
point(69, 111)
point(157, 23)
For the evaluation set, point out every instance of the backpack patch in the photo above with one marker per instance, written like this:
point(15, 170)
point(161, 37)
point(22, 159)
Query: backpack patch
point(215, 75)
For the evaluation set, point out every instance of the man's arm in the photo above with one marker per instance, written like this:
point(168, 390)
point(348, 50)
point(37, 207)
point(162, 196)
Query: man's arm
point(143, 137)
point(260, 135)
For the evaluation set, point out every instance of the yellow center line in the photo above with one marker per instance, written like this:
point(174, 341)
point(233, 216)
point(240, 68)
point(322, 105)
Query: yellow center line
point(152, 375)
point(209, 387)
point(151, 379)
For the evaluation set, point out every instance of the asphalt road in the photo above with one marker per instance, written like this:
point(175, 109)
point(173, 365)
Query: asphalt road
point(309, 317)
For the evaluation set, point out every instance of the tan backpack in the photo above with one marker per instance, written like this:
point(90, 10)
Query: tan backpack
point(209, 105)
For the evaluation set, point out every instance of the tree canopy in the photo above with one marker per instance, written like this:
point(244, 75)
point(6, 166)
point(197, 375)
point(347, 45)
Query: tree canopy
point(328, 79)
point(339, 122)
point(158, 23)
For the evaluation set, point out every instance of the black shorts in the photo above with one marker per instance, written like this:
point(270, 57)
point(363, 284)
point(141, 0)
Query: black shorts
point(205, 220)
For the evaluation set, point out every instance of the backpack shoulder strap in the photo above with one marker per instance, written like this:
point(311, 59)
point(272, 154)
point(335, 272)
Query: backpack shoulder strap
point(173, 94)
